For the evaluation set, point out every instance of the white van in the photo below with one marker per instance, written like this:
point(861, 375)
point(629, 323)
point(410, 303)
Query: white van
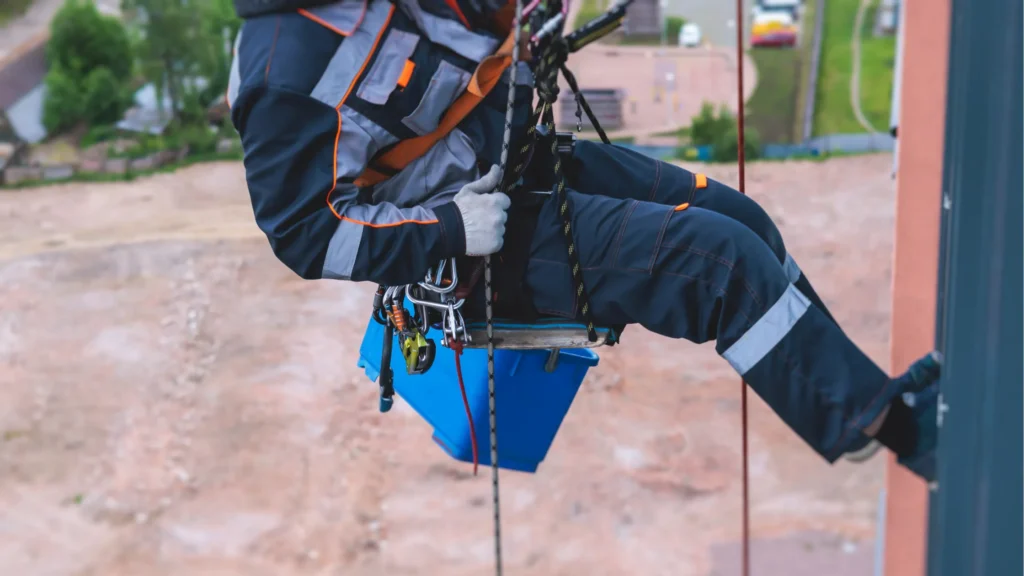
point(689, 35)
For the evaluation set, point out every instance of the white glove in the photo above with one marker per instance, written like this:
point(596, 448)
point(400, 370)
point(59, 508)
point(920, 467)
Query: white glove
point(483, 214)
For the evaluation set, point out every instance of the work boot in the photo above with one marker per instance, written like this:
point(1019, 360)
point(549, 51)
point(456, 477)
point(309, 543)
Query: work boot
point(922, 396)
point(920, 379)
point(926, 411)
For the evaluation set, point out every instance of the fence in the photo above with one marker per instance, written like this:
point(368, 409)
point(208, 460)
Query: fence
point(691, 153)
point(832, 144)
point(812, 80)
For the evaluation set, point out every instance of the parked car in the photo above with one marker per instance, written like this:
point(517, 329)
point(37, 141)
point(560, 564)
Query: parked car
point(791, 7)
point(772, 21)
point(689, 35)
point(781, 38)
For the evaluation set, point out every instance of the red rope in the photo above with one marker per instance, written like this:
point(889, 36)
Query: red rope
point(457, 347)
point(741, 157)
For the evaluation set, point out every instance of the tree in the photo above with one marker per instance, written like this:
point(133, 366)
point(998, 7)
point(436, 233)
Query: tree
point(181, 49)
point(82, 40)
point(63, 106)
point(90, 65)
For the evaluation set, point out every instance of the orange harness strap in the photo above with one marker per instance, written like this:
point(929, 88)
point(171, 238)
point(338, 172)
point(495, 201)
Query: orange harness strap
point(484, 79)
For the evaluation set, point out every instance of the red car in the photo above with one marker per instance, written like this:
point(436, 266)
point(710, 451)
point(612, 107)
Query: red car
point(774, 39)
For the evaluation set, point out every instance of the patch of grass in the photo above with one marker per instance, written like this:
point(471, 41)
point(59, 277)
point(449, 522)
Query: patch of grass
point(11, 9)
point(777, 104)
point(589, 10)
point(834, 113)
point(772, 108)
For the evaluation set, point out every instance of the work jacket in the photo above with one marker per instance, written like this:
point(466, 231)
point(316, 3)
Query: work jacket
point(361, 119)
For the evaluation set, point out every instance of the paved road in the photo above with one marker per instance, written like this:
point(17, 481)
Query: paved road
point(715, 17)
point(35, 21)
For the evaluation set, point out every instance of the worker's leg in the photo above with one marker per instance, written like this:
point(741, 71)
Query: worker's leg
point(620, 173)
point(699, 275)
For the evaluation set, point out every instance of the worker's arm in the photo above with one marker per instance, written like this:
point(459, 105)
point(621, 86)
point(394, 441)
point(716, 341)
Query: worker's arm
point(300, 160)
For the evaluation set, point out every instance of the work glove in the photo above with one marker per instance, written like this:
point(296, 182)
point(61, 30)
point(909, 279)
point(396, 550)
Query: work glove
point(483, 214)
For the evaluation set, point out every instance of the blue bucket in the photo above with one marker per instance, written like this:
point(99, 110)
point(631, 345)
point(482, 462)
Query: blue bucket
point(530, 402)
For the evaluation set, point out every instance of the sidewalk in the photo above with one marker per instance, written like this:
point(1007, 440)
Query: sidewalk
point(26, 31)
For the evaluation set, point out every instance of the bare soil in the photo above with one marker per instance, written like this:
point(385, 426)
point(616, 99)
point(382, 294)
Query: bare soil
point(174, 401)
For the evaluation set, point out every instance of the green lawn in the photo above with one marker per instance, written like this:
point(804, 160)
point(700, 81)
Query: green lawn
point(772, 109)
point(776, 106)
point(10, 9)
point(588, 11)
point(833, 113)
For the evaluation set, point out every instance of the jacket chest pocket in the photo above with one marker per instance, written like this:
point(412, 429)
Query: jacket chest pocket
point(410, 84)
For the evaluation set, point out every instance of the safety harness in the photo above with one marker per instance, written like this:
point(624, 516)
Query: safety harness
point(437, 300)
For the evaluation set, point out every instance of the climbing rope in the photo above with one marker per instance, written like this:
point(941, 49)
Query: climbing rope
point(489, 293)
point(740, 158)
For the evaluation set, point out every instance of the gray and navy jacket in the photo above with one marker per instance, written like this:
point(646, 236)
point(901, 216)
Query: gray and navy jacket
point(319, 94)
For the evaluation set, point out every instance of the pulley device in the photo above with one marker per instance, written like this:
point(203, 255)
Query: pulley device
point(437, 300)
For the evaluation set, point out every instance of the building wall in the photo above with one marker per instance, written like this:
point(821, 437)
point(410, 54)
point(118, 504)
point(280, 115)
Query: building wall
point(915, 268)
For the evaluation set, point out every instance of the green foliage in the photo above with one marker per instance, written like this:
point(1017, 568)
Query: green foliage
point(63, 106)
point(726, 147)
point(82, 40)
point(199, 139)
point(183, 49)
point(97, 134)
point(673, 24)
point(90, 66)
point(104, 96)
point(707, 125)
point(719, 130)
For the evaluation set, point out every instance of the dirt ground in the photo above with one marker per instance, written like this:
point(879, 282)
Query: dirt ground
point(173, 401)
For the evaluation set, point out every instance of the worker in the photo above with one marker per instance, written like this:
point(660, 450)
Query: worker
point(321, 94)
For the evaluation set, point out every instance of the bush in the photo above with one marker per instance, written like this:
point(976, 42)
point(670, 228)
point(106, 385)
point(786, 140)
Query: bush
point(726, 149)
point(707, 126)
point(198, 137)
point(104, 97)
point(719, 131)
point(90, 62)
point(63, 106)
point(82, 40)
point(98, 134)
point(673, 24)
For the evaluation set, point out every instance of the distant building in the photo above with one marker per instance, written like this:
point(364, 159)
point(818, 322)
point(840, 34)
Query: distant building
point(643, 18)
point(22, 91)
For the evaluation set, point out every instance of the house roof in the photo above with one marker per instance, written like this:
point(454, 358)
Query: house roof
point(26, 115)
point(21, 75)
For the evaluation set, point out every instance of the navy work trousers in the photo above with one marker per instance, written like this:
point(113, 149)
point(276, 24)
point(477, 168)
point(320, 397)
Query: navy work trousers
point(715, 270)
